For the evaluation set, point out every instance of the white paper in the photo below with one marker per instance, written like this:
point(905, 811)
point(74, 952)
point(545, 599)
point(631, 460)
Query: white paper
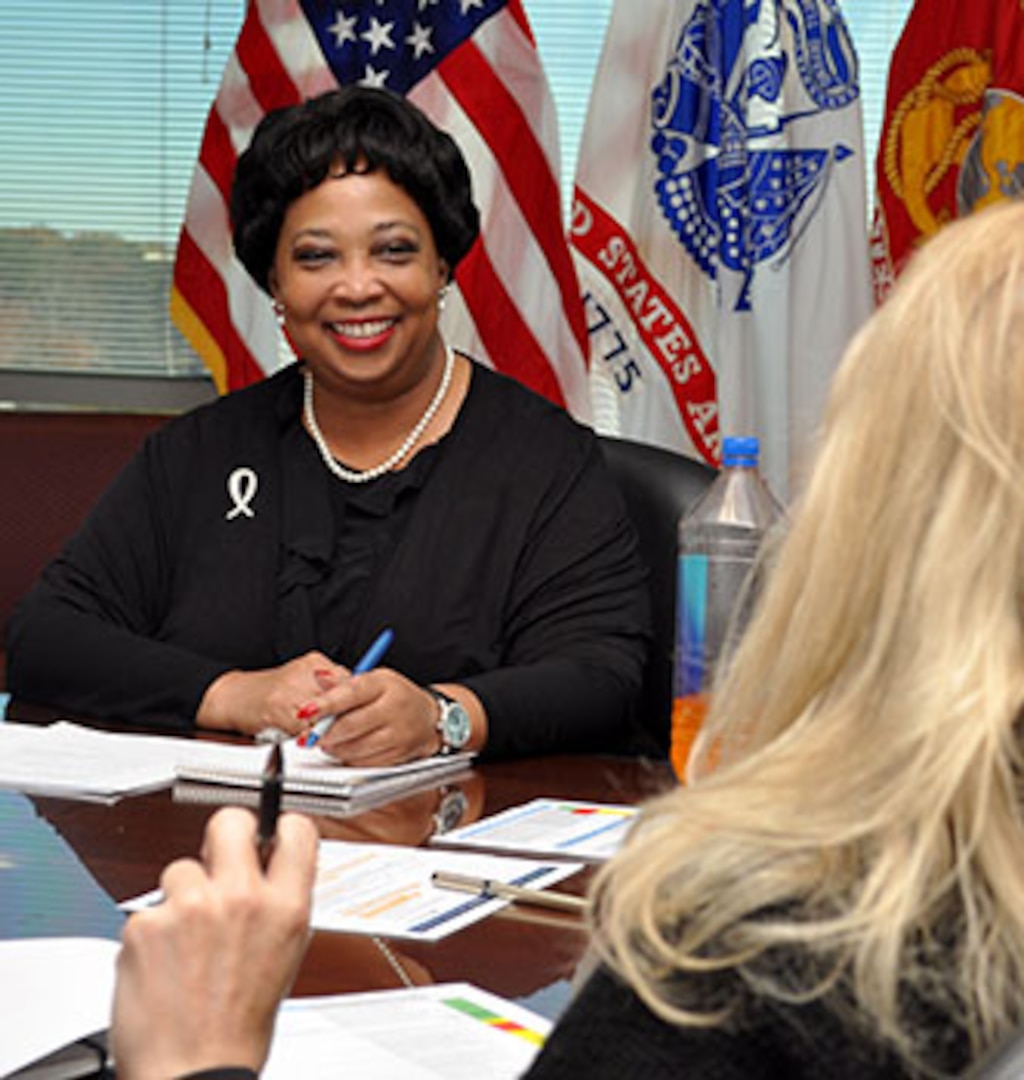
point(306, 769)
point(73, 761)
point(550, 828)
point(77, 762)
point(53, 991)
point(386, 889)
point(448, 1032)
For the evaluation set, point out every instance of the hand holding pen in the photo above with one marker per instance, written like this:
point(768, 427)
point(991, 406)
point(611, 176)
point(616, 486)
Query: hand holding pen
point(200, 976)
point(369, 660)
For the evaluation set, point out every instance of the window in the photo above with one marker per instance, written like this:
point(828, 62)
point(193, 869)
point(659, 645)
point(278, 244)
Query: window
point(103, 108)
point(876, 26)
point(569, 39)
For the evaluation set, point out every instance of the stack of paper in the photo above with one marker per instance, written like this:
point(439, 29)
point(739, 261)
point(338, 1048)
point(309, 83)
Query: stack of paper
point(76, 762)
point(72, 761)
point(307, 770)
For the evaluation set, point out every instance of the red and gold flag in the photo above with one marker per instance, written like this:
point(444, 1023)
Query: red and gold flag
point(953, 137)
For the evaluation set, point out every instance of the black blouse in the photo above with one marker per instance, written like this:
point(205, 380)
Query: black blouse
point(502, 558)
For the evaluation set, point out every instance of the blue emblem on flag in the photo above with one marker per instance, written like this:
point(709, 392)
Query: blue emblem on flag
point(732, 191)
point(393, 43)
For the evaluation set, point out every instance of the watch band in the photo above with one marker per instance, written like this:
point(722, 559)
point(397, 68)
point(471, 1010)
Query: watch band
point(453, 724)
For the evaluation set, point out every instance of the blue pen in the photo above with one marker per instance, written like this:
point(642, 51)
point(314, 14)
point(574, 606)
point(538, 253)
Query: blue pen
point(370, 659)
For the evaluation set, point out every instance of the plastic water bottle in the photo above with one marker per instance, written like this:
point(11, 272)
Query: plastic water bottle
point(719, 539)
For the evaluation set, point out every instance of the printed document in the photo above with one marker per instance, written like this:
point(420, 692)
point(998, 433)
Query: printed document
point(451, 1031)
point(549, 828)
point(386, 888)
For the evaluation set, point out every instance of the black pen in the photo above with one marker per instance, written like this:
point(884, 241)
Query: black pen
point(270, 802)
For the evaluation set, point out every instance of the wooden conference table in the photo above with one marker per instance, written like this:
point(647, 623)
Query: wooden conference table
point(518, 953)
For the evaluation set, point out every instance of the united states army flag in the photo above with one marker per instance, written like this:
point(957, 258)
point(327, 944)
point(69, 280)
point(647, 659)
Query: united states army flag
point(720, 223)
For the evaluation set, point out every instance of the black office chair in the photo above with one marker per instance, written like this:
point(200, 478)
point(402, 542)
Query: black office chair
point(658, 486)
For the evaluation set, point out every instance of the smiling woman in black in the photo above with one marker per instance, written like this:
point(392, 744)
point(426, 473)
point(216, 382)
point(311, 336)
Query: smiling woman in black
point(246, 558)
point(501, 558)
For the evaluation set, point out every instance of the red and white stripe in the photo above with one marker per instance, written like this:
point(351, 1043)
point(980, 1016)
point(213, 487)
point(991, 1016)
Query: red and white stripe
point(517, 303)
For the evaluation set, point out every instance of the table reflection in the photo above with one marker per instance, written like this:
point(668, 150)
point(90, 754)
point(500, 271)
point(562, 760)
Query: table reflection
point(109, 853)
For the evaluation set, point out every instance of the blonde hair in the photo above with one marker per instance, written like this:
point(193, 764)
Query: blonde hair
point(856, 794)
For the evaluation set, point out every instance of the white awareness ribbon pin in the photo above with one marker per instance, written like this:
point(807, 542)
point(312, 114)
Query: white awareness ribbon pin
point(242, 486)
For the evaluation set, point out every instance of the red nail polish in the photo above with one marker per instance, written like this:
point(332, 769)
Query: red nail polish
point(307, 712)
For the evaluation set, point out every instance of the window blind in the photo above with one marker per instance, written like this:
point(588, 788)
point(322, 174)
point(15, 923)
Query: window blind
point(102, 108)
point(876, 27)
point(569, 39)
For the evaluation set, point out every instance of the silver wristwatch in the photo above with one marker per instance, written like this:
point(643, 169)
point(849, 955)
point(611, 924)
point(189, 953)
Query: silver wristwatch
point(453, 723)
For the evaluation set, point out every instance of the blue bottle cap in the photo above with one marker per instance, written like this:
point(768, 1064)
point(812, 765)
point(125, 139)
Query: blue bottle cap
point(743, 450)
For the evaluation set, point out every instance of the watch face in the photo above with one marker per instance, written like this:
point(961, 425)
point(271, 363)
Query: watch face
point(449, 812)
point(455, 725)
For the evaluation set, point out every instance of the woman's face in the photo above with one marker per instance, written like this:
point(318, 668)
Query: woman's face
point(358, 273)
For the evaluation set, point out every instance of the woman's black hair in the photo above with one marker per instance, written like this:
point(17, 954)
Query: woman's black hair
point(356, 129)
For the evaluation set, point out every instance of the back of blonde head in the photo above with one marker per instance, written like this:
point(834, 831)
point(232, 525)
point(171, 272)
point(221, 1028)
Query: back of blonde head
point(859, 777)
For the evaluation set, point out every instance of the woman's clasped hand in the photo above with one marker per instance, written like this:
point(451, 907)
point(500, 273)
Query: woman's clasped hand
point(377, 717)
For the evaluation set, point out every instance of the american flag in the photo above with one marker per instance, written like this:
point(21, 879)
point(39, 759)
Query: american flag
point(472, 66)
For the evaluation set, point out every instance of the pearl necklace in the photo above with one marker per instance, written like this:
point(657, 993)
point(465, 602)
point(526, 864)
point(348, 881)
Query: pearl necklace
point(411, 439)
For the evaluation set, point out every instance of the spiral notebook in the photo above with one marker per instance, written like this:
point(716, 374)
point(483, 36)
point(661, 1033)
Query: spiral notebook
point(309, 771)
point(207, 793)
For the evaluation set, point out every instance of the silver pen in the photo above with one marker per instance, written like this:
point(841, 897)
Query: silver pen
point(501, 890)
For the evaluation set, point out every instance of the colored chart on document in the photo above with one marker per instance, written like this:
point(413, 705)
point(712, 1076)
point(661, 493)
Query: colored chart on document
point(588, 831)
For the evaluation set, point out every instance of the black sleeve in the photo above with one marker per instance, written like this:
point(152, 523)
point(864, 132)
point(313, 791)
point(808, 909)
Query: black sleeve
point(578, 625)
point(608, 1033)
point(87, 636)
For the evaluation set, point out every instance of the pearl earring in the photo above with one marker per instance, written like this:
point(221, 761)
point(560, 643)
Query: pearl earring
point(279, 313)
point(442, 297)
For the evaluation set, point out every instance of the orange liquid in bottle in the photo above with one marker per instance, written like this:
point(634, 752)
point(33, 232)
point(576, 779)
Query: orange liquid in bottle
point(687, 717)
